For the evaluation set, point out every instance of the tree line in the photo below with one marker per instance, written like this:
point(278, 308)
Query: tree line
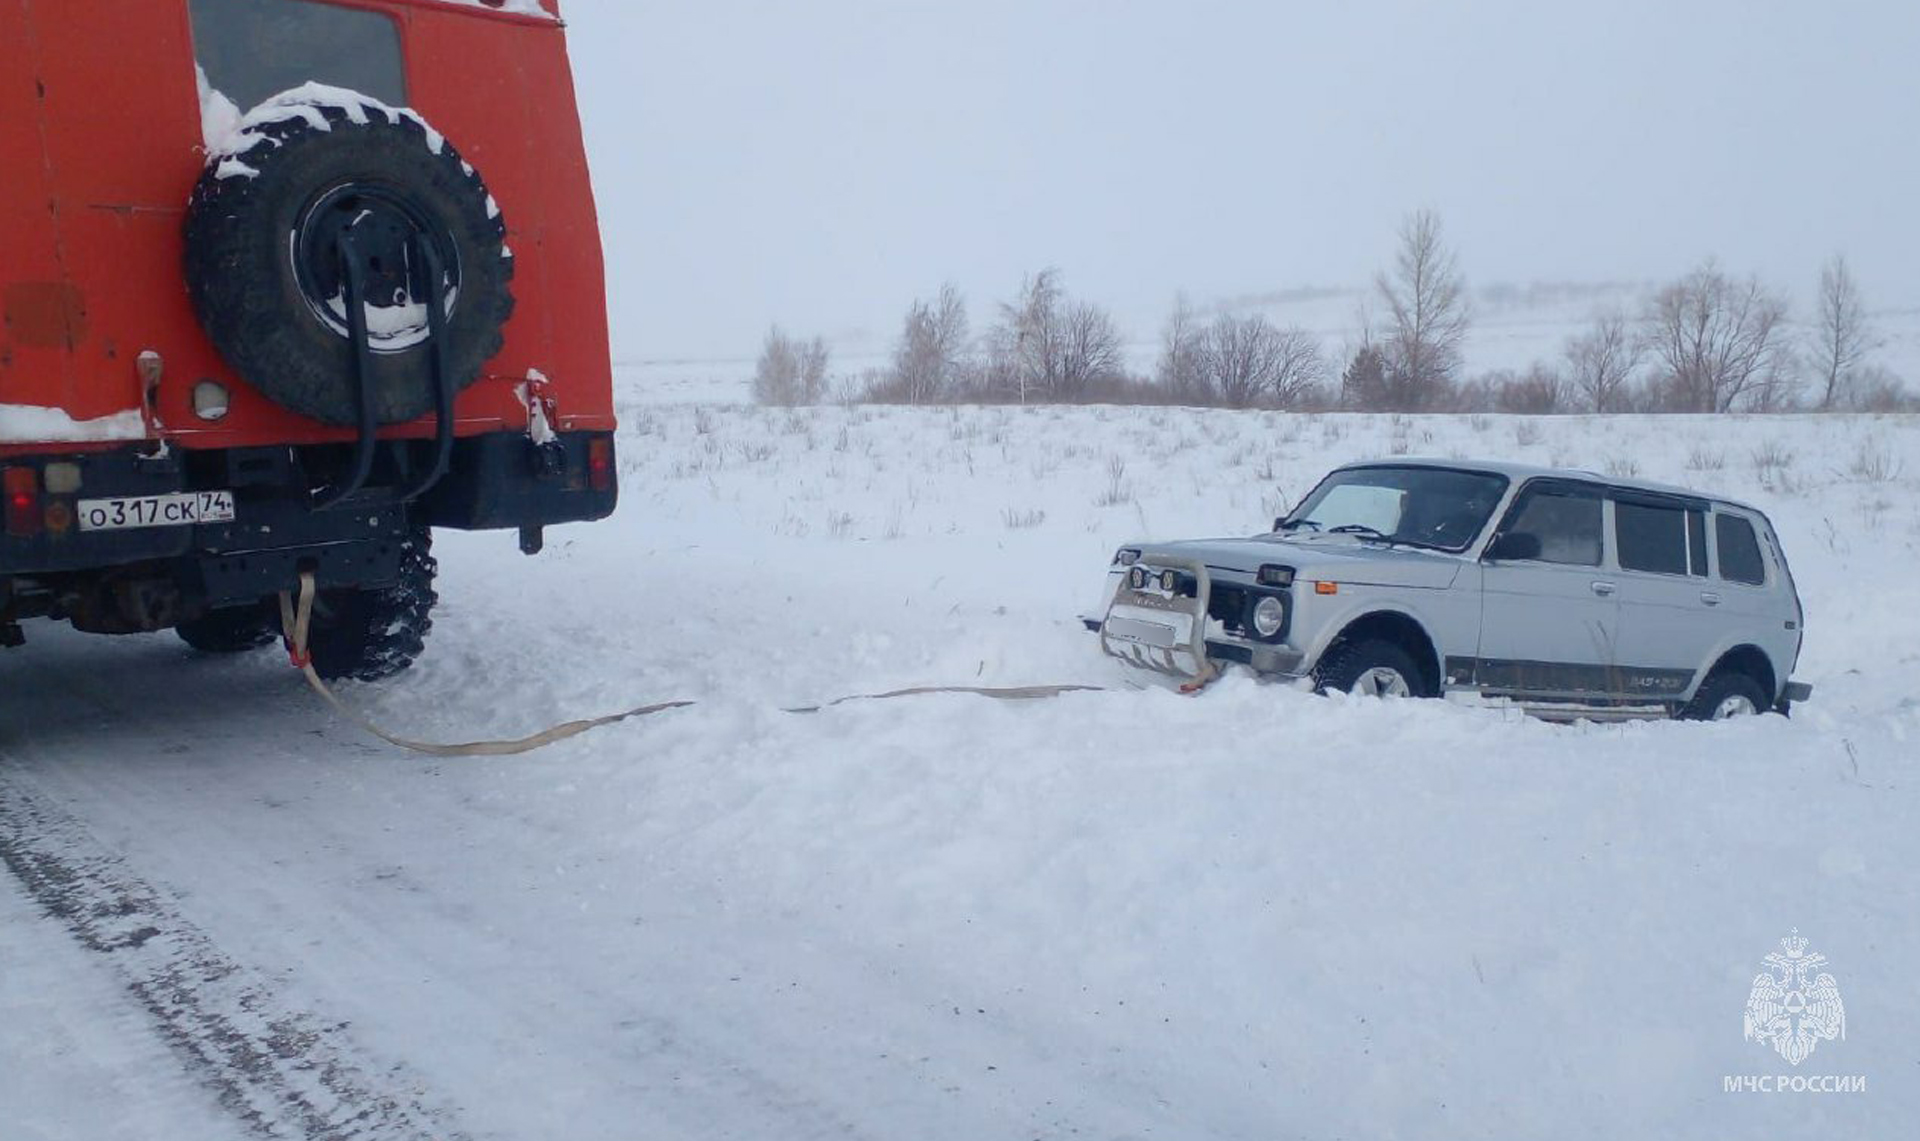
point(1708, 342)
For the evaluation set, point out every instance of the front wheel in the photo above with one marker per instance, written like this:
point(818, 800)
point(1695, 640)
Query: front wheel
point(1725, 694)
point(1369, 668)
point(370, 634)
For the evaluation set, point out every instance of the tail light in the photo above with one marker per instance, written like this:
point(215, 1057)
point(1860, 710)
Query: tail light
point(23, 501)
point(600, 463)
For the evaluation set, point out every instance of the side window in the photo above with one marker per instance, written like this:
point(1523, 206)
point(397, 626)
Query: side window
point(253, 49)
point(1566, 521)
point(1740, 559)
point(1650, 537)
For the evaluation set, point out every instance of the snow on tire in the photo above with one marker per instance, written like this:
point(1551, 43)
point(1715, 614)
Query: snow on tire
point(264, 271)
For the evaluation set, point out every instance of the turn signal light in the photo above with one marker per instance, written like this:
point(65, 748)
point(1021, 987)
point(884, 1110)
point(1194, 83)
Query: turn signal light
point(1326, 588)
point(600, 463)
point(22, 486)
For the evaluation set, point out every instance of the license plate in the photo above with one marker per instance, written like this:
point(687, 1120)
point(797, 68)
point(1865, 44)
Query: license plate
point(178, 510)
point(1143, 633)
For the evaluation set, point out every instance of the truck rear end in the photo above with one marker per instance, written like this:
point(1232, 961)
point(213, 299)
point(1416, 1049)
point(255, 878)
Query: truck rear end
point(287, 284)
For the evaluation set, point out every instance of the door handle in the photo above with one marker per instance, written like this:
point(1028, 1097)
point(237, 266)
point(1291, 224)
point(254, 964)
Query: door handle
point(1710, 598)
point(1602, 588)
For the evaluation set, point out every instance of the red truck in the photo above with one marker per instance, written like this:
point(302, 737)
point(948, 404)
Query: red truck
point(283, 285)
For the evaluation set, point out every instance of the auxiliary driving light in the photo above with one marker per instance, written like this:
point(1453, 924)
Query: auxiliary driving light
point(1269, 614)
point(1169, 581)
point(1273, 574)
point(1137, 578)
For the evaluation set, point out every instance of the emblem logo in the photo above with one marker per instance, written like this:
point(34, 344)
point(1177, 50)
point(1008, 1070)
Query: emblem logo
point(1794, 1004)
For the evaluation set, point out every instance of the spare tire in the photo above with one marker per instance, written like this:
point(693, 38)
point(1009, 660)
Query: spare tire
point(263, 262)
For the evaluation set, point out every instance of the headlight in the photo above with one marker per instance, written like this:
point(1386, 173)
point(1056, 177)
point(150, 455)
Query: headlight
point(1269, 614)
point(1125, 557)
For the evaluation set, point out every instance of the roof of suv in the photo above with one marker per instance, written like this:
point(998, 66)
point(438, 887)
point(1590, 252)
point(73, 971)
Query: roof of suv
point(1520, 471)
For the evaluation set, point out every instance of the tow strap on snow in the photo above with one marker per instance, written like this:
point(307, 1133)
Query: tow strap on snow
point(296, 619)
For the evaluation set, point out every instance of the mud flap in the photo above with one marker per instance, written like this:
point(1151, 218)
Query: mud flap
point(1157, 619)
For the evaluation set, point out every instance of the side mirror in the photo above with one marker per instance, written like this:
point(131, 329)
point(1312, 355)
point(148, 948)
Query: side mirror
point(1279, 521)
point(1514, 545)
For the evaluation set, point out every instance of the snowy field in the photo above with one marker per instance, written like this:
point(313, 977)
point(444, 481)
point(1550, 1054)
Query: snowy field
point(1251, 913)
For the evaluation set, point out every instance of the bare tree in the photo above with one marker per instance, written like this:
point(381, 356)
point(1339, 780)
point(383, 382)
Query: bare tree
point(790, 372)
point(1178, 372)
point(930, 359)
point(1048, 348)
point(1090, 353)
point(1428, 302)
point(1718, 342)
point(1841, 337)
point(776, 375)
point(1025, 344)
point(1601, 362)
point(811, 386)
point(1247, 361)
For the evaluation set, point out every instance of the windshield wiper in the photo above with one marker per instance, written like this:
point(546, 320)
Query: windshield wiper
point(1363, 531)
point(1293, 523)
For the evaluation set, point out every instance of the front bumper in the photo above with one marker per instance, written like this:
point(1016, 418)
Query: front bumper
point(1173, 631)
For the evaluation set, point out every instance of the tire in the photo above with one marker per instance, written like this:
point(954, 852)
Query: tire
point(232, 630)
point(264, 273)
point(1343, 667)
point(367, 634)
point(1726, 693)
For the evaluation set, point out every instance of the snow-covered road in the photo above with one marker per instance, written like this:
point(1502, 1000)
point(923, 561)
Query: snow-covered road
point(1254, 913)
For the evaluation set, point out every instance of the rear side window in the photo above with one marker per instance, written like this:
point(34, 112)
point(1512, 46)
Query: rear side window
point(1740, 559)
point(1567, 523)
point(253, 49)
point(1651, 537)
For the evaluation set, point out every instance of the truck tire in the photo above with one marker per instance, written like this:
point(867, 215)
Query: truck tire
point(231, 630)
point(264, 272)
point(1726, 693)
point(369, 634)
point(1369, 667)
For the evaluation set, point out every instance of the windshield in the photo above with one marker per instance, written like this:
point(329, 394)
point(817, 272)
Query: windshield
point(1422, 506)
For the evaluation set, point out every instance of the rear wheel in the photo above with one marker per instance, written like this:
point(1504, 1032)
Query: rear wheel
point(370, 634)
point(1725, 694)
point(1369, 668)
point(231, 630)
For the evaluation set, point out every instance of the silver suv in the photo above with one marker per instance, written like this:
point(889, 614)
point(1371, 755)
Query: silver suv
point(1570, 593)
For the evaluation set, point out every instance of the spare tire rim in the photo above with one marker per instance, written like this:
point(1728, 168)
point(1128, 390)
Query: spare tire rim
point(384, 222)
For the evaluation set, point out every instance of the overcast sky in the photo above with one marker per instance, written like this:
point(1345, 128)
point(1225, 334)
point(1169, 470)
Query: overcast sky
point(820, 164)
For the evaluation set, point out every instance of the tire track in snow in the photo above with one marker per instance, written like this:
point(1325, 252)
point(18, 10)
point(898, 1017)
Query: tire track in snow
point(282, 1072)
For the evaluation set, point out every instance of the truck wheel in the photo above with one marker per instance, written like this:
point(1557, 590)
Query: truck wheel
point(264, 270)
point(1369, 668)
point(370, 634)
point(1726, 693)
point(231, 630)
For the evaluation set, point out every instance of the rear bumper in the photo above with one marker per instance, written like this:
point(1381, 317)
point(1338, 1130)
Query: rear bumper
point(501, 480)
